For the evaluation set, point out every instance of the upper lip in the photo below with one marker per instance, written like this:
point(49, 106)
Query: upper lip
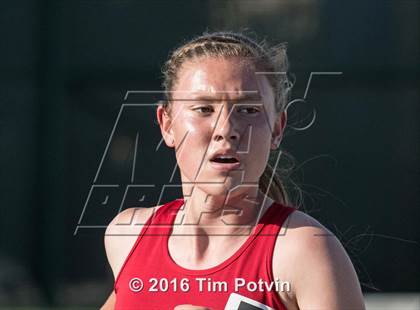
point(225, 152)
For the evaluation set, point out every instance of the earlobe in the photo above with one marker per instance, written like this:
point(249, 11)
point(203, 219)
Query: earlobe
point(278, 130)
point(283, 119)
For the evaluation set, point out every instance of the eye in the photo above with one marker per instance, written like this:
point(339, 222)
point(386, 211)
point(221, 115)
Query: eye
point(248, 110)
point(204, 109)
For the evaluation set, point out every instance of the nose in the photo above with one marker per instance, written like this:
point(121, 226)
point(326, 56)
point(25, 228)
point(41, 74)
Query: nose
point(226, 128)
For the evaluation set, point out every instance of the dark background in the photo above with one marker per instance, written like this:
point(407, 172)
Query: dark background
point(67, 65)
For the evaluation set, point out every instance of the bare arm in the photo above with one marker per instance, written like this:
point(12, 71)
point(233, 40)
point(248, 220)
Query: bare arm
point(120, 236)
point(109, 303)
point(323, 275)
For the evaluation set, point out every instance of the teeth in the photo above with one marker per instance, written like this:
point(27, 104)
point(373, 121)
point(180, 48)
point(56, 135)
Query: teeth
point(224, 157)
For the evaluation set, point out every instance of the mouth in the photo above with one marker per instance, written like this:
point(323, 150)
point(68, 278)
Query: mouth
point(225, 162)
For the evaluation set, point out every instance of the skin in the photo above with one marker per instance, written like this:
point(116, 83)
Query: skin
point(311, 258)
point(210, 110)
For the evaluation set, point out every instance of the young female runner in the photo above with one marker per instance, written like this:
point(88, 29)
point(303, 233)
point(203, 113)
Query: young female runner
point(231, 241)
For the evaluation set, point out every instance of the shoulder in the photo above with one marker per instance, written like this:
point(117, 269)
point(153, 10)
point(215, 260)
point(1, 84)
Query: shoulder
point(316, 264)
point(302, 235)
point(300, 230)
point(121, 234)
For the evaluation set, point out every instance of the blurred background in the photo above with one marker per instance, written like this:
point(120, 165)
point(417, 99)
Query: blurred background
point(66, 67)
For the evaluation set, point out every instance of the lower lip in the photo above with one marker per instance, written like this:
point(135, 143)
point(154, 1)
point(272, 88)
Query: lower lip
point(225, 167)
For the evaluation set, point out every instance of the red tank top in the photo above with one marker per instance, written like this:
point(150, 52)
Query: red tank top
point(151, 279)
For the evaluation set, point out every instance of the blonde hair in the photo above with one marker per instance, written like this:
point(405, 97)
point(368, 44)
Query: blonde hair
point(271, 61)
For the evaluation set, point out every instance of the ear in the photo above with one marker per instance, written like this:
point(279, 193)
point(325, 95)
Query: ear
point(165, 124)
point(278, 129)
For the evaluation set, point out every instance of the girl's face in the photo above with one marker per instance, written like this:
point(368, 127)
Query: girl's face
point(221, 107)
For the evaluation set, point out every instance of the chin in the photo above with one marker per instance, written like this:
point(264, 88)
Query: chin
point(217, 189)
point(223, 189)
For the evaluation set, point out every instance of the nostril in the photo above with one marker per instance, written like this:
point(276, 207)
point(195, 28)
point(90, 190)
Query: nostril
point(218, 138)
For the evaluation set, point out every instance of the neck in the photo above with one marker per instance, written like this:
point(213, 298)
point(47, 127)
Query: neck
point(205, 214)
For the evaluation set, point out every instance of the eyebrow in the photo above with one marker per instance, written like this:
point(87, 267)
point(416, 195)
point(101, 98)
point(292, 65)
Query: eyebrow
point(244, 96)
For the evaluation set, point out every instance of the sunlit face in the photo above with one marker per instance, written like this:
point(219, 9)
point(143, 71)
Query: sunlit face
point(220, 104)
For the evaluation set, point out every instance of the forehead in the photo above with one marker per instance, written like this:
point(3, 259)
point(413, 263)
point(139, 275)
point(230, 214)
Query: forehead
point(224, 78)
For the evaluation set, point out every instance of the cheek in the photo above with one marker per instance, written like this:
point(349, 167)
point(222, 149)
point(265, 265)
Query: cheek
point(188, 129)
point(259, 147)
point(260, 137)
point(192, 138)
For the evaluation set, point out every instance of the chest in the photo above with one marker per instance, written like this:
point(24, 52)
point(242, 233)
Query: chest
point(283, 268)
point(152, 279)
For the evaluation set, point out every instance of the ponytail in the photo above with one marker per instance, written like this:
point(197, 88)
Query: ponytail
point(271, 185)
